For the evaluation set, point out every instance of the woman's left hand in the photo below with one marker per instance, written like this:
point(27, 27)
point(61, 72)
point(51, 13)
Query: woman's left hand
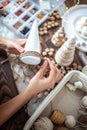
point(15, 46)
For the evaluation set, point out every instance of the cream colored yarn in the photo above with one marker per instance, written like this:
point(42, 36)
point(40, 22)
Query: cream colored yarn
point(43, 123)
point(65, 55)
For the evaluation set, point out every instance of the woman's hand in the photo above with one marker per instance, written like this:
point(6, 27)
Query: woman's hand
point(40, 83)
point(37, 84)
point(15, 46)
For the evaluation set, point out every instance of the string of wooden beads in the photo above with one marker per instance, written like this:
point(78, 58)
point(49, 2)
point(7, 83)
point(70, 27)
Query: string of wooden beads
point(51, 22)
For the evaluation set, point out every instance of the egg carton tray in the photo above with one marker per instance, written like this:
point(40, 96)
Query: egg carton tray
point(61, 98)
point(19, 17)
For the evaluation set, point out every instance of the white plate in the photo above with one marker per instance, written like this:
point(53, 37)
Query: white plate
point(75, 24)
point(69, 18)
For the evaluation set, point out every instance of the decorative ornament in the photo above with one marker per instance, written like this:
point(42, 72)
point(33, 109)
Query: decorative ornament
point(57, 117)
point(83, 119)
point(65, 54)
point(32, 54)
point(43, 123)
point(59, 37)
point(84, 102)
point(70, 121)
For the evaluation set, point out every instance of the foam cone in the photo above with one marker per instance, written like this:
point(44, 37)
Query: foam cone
point(32, 46)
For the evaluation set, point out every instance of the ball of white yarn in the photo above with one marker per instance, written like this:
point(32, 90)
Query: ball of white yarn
point(43, 123)
point(84, 101)
point(70, 121)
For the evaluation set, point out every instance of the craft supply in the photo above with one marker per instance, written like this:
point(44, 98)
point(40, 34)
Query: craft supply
point(43, 123)
point(59, 37)
point(78, 84)
point(65, 54)
point(83, 119)
point(52, 22)
point(32, 48)
point(57, 117)
point(70, 121)
point(84, 102)
point(23, 12)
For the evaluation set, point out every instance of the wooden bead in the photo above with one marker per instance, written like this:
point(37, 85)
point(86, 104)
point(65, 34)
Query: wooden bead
point(58, 17)
point(40, 29)
point(47, 50)
point(52, 25)
point(79, 67)
point(45, 31)
point(53, 61)
point(44, 28)
point(41, 33)
point(64, 72)
point(56, 24)
point(45, 24)
point(46, 93)
point(44, 53)
point(50, 53)
point(56, 65)
point(49, 23)
point(52, 49)
point(40, 95)
point(48, 26)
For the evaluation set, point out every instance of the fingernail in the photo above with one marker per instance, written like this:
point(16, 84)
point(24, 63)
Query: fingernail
point(43, 62)
point(21, 50)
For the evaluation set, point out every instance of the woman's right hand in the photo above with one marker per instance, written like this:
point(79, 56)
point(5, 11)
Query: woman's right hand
point(40, 83)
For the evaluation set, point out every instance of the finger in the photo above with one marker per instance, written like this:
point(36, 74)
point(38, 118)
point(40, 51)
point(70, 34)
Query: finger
point(22, 41)
point(12, 51)
point(52, 73)
point(19, 48)
point(58, 75)
point(43, 69)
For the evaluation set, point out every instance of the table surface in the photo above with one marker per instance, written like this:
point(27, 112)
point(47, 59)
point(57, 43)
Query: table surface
point(4, 31)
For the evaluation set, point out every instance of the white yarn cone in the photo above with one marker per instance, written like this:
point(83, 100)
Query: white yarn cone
point(65, 55)
point(32, 47)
